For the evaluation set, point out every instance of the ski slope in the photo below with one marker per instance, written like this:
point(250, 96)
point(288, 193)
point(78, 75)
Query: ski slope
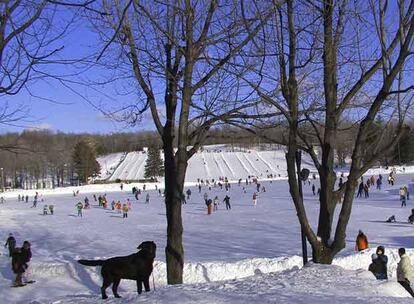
point(131, 168)
point(212, 163)
point(109, 163)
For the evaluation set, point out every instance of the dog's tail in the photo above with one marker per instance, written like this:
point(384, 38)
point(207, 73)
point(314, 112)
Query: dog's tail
point(91, 262)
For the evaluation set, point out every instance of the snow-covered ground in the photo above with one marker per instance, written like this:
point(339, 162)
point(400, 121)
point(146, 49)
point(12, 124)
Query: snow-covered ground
point(247, 254)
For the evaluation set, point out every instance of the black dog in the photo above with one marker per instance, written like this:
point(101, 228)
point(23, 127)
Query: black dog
point(137, 266)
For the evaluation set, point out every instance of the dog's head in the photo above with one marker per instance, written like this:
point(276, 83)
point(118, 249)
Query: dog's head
point(148, 246)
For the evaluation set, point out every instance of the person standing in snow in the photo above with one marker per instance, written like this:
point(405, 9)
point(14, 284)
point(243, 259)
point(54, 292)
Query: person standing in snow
point(79, 207)
point(379, 183)
point(361, 241)
point(360, 189)
point(209, 204)
point(376, 266)
point(51, 209)
point(188, 194)
point(10, 243)
point(125, 211)
point(227, 202)
point(215, 203)
point(254, 199)
point(45, 208)
point(404, 271)
point(20, 258)
point(402, 197)
point(383, 275)
point(205, 197)
point(147, 198)
point(313, 189)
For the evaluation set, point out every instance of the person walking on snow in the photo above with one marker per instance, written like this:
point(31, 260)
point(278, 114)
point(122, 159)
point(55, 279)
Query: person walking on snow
point(227, 202)
point(10, 243)
point(404, 271)
point(361, 241)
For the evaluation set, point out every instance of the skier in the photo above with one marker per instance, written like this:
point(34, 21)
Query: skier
point(361, 241)
point(227, 201)
point(51, 209)
point(10, 243)
point(404, 271)
point(79, 207)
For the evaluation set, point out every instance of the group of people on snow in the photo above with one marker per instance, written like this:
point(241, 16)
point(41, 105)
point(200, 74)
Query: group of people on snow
point(379, 262)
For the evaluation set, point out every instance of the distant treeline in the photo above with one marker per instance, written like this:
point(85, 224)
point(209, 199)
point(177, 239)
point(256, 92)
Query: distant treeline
point(38, 159)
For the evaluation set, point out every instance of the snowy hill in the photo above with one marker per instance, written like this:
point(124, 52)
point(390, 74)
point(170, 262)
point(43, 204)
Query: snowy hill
point(212, 162)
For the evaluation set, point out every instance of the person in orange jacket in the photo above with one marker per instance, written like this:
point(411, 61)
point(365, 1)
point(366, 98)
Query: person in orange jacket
point(361, 241)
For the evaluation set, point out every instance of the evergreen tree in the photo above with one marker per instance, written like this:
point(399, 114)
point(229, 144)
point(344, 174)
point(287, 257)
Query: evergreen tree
point(84, 160)
point(154, 166)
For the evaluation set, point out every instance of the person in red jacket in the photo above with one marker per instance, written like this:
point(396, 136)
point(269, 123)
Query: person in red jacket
point(361, 241)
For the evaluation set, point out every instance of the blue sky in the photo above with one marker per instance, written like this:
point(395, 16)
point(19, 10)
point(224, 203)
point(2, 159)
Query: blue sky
point(64, 110)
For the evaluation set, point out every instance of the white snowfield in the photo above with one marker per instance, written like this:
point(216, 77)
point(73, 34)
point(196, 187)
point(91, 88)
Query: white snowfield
point(249, 254)
point(208, 164)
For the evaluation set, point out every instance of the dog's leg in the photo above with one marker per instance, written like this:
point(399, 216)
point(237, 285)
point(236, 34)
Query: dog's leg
point(146, 284)
point(139, 286)
point(115, 287)
point(105, 285)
